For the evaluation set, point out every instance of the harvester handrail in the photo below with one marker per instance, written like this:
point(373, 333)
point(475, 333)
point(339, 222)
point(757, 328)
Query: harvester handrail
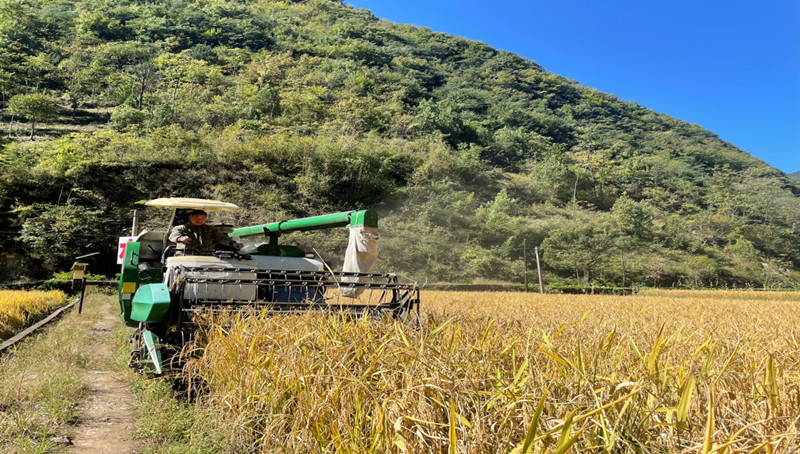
point(300, 304)
point(282, 271)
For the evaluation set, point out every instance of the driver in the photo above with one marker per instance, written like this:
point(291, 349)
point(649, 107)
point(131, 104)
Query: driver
point(199, 238)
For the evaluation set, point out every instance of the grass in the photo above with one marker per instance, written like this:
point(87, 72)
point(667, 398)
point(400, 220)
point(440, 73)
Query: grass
point(42, 387)
point(169, 424)
point(41, 384)
point(515, 373)
point(165, 421)
point(19, 308)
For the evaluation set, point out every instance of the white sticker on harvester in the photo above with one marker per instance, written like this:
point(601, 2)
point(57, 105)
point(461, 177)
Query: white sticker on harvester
point(123, 241)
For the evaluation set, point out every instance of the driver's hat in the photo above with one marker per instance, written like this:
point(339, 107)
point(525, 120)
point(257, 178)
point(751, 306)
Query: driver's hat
point(193, 212)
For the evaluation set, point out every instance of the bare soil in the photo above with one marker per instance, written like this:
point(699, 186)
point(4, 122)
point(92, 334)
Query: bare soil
point(107, 422)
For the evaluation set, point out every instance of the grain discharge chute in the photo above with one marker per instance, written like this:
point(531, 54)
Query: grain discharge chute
point(162, 290)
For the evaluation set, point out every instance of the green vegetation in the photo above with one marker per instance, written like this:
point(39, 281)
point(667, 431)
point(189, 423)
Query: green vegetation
point(33, 108)
point(300, 108)
point(166, 423)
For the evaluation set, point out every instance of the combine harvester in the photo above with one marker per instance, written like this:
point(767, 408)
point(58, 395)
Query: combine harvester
point(162, 291)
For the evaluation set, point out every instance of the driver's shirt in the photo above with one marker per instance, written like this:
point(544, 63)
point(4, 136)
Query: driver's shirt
point(203, 238)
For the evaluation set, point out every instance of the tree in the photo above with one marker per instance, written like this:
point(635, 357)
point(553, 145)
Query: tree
point(126, 116)
point(57, 233)
point(35, 108)
point(445, 119)
point(144, 73)
point(39, 67)
point(499, 219)
point(633, 218)
point(580, 245)
point(265, 103)
point(513, 147)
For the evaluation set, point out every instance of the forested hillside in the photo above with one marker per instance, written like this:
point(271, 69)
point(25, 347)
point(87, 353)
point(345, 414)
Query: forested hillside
point(300, 108)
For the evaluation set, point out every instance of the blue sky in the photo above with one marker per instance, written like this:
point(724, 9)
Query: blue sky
point(732, 67)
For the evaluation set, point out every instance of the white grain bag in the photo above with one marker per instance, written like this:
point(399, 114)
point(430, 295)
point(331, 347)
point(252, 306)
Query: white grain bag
point(360, 257)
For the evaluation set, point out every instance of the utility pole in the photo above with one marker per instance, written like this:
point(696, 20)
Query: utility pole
point(135, 226)
point(538, 269)
point(525, 262)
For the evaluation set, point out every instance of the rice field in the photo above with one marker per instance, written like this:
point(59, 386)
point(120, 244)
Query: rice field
point(19, 308)
point(660, 372)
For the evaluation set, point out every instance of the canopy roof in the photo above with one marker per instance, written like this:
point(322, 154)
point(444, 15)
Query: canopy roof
point(184, 202)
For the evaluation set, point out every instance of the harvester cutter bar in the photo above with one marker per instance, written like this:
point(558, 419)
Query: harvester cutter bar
point(405, 309)
point(394, 298)
point(297, 283)
point(296, 278)
point(280, 308)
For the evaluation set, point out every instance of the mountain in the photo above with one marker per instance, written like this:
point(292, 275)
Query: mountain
point(795, 174)
point(298, 108)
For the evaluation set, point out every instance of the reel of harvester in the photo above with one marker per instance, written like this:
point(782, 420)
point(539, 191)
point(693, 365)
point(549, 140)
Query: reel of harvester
point(165, 296)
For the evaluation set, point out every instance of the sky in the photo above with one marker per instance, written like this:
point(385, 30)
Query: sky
point(732, 67)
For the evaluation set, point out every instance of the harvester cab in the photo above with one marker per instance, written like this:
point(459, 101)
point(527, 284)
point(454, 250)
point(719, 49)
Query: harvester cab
point(164, 292)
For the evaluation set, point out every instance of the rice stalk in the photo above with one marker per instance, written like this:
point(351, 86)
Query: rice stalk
point(470, 377)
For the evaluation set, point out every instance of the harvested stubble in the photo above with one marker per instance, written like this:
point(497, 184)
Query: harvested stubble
point(511, 372)
point(19, 308)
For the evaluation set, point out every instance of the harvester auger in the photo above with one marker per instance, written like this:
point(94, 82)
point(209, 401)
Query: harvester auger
point(163, 292)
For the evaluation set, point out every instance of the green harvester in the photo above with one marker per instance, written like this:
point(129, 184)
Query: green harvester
point(163, 291)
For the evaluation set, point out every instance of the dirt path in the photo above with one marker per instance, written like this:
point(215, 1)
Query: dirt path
point(107, 423)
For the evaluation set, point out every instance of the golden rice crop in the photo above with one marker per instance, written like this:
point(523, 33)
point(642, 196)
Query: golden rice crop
point(19, 308)
point(517, 373)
